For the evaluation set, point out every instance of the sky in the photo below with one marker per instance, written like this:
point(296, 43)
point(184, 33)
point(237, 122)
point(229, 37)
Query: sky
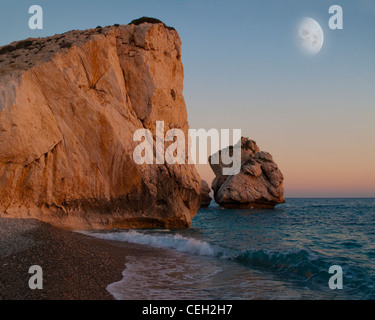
point(243, 70)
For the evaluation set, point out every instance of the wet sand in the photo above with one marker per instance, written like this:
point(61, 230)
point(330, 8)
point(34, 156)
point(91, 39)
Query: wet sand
point(74, 266)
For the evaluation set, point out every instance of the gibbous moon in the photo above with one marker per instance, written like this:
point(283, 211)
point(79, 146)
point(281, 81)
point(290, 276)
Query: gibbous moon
point(310, 36)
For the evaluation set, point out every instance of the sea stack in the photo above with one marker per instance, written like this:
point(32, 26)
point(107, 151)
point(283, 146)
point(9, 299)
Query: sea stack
point(258, 185)
point(69, 107)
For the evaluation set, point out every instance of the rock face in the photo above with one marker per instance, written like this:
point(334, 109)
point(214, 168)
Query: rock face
point(258, 185)
point(205, 195)
point(69, 106)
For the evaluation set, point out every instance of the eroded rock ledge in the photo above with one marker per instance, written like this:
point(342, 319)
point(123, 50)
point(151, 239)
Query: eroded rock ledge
point(69, 106)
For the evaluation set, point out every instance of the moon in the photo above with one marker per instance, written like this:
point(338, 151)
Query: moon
point(310, 36)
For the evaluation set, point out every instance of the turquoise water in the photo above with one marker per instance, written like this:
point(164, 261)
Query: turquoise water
point(256, 254)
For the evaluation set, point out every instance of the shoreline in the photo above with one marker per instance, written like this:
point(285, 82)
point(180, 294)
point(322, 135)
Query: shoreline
point(75, 266)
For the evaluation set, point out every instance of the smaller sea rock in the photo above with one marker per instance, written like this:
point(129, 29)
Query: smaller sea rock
point(258, 185)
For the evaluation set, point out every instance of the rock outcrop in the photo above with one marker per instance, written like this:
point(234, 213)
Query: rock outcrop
point(69, 107)
point(258, 185)
point(205, 195)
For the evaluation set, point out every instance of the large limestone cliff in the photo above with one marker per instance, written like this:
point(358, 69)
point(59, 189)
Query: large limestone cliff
point(69, 106)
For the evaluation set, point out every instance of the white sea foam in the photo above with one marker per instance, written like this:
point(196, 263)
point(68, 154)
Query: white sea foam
point(166, 276)
point(166, 241)
point(179, 276)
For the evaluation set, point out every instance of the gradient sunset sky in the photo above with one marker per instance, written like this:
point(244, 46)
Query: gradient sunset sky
point(315, 115)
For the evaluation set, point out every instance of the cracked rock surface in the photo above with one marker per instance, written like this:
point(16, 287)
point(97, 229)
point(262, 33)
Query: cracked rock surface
point(69, 107)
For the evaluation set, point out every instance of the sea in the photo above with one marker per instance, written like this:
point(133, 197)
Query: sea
point(285, 253)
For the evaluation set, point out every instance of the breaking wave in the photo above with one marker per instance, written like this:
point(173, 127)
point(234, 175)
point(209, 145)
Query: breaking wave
point(175, 242)
point(299, 262)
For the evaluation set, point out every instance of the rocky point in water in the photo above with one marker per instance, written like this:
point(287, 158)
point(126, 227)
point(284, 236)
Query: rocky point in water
point(258, 185)
point(69, 107)
point(205, 195)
